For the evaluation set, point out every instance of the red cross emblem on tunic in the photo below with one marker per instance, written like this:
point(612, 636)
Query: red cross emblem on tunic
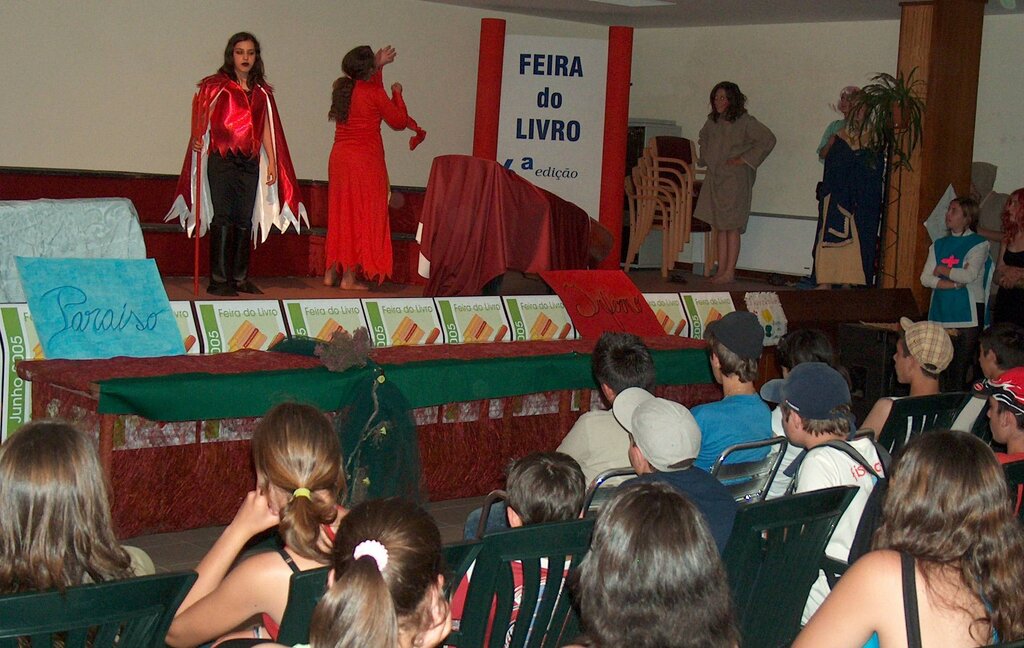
point(950, 261)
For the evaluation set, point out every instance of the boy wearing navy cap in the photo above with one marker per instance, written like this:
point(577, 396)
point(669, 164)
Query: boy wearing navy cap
point(735, 343)
point(815, 402)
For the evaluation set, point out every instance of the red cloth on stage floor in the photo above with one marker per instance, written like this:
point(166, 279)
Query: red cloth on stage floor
point(358, 230)
point(480, 219)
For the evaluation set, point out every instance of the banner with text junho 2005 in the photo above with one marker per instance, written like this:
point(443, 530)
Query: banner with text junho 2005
point(551, 123)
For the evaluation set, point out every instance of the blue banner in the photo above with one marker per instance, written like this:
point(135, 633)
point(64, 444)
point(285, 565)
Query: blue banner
point(99, 308)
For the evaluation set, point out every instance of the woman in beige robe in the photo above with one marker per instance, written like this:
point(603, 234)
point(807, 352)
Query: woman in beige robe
point(732, 145)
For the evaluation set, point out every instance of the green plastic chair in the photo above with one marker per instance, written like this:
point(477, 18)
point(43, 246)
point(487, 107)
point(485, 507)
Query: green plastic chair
point(545, 614)
point(1015, 480)
point(916, 414)
point(772, 559)
point(305, 589)
point(459, 557)
point(130, 613)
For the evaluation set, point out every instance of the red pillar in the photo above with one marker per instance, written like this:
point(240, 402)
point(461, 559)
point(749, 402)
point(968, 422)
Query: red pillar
point(616, 118)
point(488, 88)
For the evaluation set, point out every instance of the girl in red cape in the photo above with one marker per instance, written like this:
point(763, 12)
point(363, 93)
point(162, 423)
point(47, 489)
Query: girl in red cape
point(358, 230)
point(238, 164)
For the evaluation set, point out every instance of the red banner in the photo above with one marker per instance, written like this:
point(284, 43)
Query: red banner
point(603, 300)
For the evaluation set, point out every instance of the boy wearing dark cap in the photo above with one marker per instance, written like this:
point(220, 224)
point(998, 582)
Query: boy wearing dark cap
point(663, 441)
point(735, 343)
point(815, 403)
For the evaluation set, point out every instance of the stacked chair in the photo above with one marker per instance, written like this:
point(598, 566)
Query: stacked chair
point(661, 192)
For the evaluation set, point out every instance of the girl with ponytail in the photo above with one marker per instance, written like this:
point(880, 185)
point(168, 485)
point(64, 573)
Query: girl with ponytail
point(299, 479)
point(387, 584)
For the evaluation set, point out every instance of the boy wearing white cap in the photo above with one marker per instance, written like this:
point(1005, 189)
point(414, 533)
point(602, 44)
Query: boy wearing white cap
point(923, 351)
point(664, 440)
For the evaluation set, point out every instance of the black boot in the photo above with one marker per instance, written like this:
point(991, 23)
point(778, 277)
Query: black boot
point(240, 273)
point(220, 251)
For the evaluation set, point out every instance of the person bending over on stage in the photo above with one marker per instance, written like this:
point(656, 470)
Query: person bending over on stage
point(238, 141)
point(1009, 302)
point(299, 478)
point(946, 569)
point(57, 531)
point(653, 577)
point(732, 145)
point(958, 271)
point(387, 585)
point(358, 227)
point(923, 351)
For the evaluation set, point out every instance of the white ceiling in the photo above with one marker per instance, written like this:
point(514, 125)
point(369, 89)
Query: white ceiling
point(694, 13)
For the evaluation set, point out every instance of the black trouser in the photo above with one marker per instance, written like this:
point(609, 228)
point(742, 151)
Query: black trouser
point(233, 184)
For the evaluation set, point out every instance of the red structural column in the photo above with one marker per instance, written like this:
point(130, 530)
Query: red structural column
point(616, 118)
point(488, 88)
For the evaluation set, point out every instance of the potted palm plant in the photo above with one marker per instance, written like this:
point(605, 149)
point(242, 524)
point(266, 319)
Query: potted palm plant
point(888, 116)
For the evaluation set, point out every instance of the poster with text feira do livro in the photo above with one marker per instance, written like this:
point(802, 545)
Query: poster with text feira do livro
point(469, 320)
point(322, 318)
point(538, 317)
point(18, 341)
point(186, 320)
point(403, 322)
point(668, 309)
point(226, 326)
point(704, 308)
point(551, 122)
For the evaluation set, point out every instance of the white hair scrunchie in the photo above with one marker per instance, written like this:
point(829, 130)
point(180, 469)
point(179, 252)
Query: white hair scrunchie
point(373, 549)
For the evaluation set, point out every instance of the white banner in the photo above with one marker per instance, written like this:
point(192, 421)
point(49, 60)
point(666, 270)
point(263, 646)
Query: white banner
point(551, 126)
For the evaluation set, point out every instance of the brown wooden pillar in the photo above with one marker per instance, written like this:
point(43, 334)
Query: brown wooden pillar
point(942, 40)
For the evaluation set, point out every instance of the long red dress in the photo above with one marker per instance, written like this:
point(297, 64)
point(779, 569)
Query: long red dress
point(358, 230)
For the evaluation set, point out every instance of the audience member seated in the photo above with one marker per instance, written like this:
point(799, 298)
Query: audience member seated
point(1000, 348)
point(299, 476)
point(542, 487)
point(596, 441)
point(56, 529)
point(652, 578)
point(387, 582)
point(1006, 417)
point(796, 347)
point(946, 570)
point(815, 404)
point(664, 440)
point(923, 351)
point(735, 343)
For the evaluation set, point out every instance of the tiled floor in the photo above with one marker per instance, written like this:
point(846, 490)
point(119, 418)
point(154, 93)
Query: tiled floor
point(184, 549)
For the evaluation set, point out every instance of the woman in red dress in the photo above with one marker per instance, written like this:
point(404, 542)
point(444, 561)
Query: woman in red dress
point(358, 231)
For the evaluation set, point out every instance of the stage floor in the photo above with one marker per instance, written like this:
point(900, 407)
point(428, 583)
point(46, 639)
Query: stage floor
point(515, 283)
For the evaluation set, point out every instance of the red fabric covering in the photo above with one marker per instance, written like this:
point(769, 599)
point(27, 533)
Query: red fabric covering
point(399, 354)
point(603, 300)
point(480, 219)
